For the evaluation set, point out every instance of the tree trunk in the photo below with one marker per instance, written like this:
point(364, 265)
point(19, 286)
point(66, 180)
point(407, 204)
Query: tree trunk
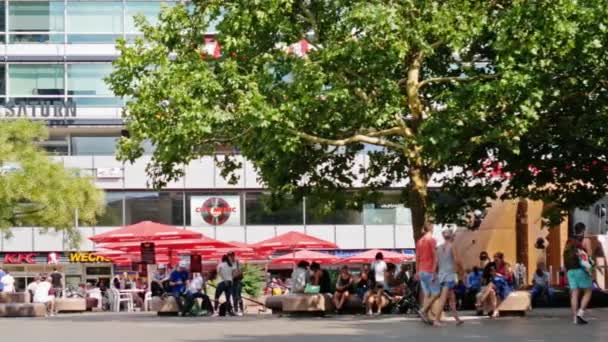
point(418, 201)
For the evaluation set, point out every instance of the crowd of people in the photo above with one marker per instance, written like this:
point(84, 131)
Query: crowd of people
point(438, 280)
point(187, 289)
point(377, 284)
point(44, 289)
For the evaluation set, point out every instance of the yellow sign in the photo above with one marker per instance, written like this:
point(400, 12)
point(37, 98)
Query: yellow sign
point(87, 258)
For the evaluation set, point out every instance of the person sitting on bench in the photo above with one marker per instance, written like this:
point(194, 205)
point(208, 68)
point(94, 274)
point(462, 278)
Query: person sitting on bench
point(540, 285)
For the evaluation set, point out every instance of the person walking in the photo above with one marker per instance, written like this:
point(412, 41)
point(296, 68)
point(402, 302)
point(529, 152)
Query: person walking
point(8, 282)
point(237, 285)
point(57, 282)
point(446, 275)
point(426, 261)
point(576, 261)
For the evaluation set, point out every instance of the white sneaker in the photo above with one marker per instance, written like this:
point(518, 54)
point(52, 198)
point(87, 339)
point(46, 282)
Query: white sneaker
point(240, 314)
point(215, 314)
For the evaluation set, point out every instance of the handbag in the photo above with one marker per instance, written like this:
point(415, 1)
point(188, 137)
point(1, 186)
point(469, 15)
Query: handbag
point(312, 289)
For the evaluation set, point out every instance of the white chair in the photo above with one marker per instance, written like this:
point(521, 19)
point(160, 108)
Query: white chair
point(122, 298)
point(147, 300)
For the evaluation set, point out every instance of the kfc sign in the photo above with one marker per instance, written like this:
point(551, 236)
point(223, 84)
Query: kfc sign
point(20, 258)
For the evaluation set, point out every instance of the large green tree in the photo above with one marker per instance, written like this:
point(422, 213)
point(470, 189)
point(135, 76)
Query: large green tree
point(503, 95)
point(36, 191)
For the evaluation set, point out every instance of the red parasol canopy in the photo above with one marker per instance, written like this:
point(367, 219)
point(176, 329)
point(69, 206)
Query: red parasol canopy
point(178, 244)
point(145, 231)
point(311, 256)
point(294, 240)
point(370, 256)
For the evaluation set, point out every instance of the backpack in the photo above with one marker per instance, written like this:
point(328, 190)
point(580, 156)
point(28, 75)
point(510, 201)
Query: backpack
point(571, 258)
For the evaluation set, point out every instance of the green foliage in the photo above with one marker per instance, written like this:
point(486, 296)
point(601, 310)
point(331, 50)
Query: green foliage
point(254, 280)
point(37, 191)
point(437, 87)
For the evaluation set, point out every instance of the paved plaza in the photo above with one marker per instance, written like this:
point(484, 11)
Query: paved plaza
point(540, 326)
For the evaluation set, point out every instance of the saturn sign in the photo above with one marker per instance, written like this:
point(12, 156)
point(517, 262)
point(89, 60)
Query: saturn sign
point(215, 211)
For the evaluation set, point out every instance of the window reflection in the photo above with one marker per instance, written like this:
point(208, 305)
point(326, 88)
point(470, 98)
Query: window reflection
point(260, 211)
point(35, 79)
point(162, 207)
point(94, 145)
point(113, 211)
point(94, 17)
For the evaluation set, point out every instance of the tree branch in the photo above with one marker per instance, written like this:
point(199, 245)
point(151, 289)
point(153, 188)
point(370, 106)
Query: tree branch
point(383, 133)
point(456, 79)
point(309, 17)
point(357, 138)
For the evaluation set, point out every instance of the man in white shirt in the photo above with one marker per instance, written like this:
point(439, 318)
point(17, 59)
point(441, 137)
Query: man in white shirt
point(42, 296)
point(8, 282)
point(197, 289)
point(31, 288)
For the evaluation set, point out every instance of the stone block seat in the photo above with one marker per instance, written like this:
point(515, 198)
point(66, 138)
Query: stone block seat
point(70, 304)
point(166, 307)
point(293, 303)
point(18, 305)
point(14, 297)
point(517, 302)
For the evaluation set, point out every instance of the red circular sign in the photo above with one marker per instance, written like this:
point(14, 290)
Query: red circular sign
point(216, 211)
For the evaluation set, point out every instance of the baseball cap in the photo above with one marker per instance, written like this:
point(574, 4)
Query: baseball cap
point(183, 264)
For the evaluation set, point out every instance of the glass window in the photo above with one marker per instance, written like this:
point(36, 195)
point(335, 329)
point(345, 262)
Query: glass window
point(2, 17)
point(150, 10)
point(112, 217)
point(27, 80)
point(2, 80)
point(260, 211)
point(100, 146)
point(35, 16)
point(99, 271)
point(163, 207)
point(93, 38)
point(98, 101)
point(388, 208)
point(319, 211)
point(87, 79)
point(30, 38)
point(94, 17)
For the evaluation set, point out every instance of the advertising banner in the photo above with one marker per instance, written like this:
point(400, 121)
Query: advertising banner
point(215, 211)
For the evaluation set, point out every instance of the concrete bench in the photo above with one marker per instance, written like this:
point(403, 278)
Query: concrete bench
point(70, 304)
point(274, 303)
point(14, 297)
point(22, 310)
point(307, 303)
point(517, 302)
point(168, 306)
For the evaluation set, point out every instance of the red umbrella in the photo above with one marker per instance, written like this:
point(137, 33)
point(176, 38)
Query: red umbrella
point(294, 240)
point(370, 256)
point(145, 231)
point(311, 256)
point(179, 244)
